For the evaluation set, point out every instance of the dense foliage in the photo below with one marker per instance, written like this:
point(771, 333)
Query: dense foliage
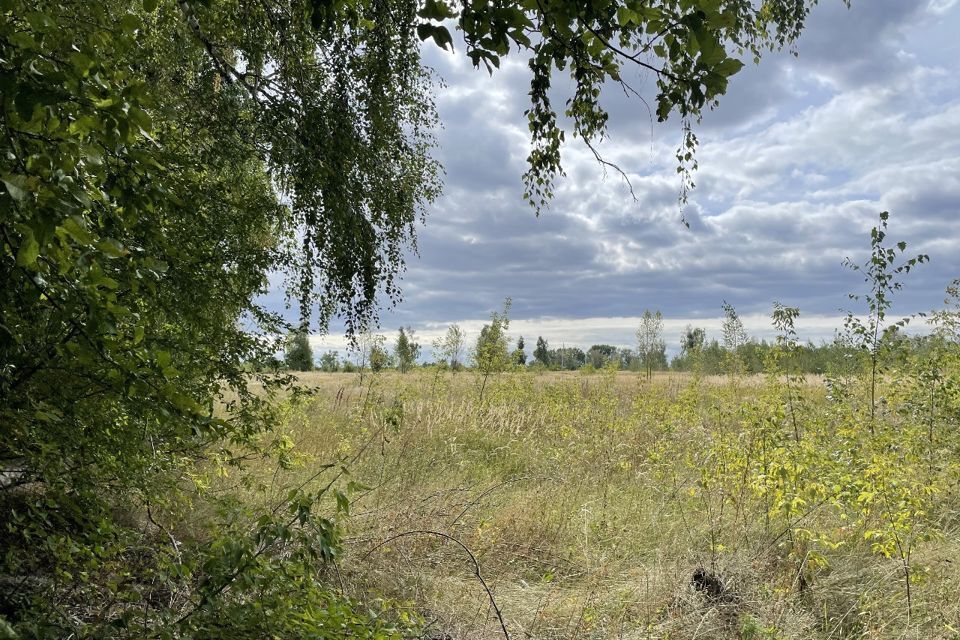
point(158, 161)
point(407, 349)
point(297, 353)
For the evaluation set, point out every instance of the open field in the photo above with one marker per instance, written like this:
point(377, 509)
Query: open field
point(591, 502)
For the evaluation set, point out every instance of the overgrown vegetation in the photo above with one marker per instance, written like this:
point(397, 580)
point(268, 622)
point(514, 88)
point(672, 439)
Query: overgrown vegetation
point(159, 479)
point(602, 506)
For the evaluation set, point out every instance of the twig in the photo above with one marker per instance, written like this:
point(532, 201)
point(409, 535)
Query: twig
point(473, 559)
point(483, 495)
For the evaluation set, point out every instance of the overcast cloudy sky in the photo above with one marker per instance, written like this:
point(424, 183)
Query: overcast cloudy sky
point(795, 165)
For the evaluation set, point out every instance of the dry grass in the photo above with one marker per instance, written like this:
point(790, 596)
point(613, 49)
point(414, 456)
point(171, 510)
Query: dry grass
point(582, 499)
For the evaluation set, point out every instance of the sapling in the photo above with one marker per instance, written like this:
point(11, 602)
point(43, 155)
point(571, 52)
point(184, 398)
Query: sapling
point(883, 276)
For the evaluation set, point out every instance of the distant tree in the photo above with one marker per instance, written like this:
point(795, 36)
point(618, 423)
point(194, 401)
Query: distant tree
point(734, 338)
point(692, 340)
point(366, 346)
point(491, 354)
point(599, 355)
point(298, 356)
point(692, 343)
point(713, 357)
point(407, 349)
point(542, 353)
point(628, 359)
point(329, 362)
point(379, 357)
point(448, 349)
point(567, 358)
point(519, 355)
point(650, 345)
point(734, 335)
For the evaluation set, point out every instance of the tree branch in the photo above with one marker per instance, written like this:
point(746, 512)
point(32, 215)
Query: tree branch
point(473, 559)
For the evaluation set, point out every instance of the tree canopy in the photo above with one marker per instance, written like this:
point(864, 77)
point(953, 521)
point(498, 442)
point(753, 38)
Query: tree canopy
point(692, 47)
point(298, 356)
point(407, 349)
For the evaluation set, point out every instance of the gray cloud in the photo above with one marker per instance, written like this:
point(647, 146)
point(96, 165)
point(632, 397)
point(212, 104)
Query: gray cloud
point(796, 163)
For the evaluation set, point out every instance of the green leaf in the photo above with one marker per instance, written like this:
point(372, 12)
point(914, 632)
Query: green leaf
point(440, 35)
point(711, 51)
point(626, 16)
point(728, 67)
point(29, 249)
point(130, 22)
point(102, 280)
point(77, 229)
point(435, 10)
point(343, 502)
point(112, 248)
point(81, 63)
point(17, 186)
point(140, 118)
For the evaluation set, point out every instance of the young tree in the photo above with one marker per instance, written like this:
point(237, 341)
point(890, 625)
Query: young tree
point(361, 346)
point(491, 354)
point(734, 335)
point(407, 350)
point(330, 362)
point(883, 277)
point(368, 347)
point(599, 355)
point(542, 352)
point(734, 338)
point(298, 356)
point(379, 356)
point(449, 348)
point(650, 344)
point(692, 343)
point(519, 355)
point(692, 340)
point(946, 321)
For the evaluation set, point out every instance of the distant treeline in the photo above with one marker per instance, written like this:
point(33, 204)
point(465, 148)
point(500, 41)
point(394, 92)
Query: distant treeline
point(696, 354)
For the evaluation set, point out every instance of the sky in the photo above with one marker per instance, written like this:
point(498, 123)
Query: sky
point(795, 165)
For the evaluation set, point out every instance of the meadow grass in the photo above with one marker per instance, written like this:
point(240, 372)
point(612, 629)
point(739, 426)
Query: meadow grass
point(590, 501)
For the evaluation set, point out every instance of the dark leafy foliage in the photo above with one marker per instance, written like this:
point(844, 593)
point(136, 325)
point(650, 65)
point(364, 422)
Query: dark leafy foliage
point(298, 356)
point(159, 160)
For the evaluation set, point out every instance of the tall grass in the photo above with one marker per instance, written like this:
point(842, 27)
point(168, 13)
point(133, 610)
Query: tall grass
point(589, 503)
